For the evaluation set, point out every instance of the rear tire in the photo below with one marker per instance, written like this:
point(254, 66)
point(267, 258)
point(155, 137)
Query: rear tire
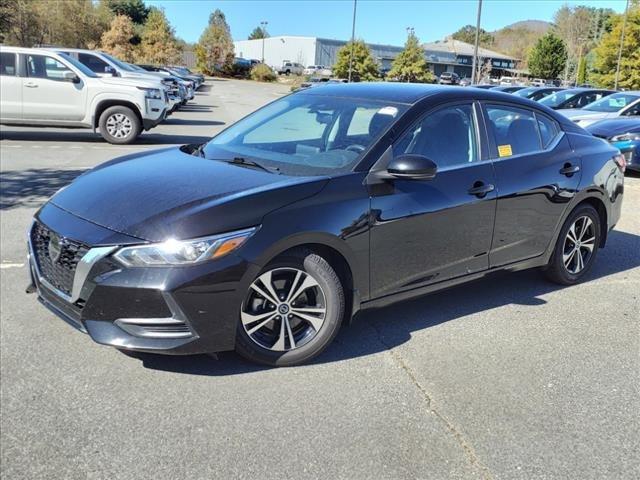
point(301, 321)
point(576, 248)
point(119, 125)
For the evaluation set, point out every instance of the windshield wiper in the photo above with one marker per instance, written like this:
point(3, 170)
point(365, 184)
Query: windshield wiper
point(245, 162)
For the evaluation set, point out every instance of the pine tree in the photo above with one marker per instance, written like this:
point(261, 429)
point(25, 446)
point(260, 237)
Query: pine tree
point(258, 33)
point(410, 65)
point(117, 40)
point(548, 57)
point(215, 47)
point(158, 43)
point(363, 66)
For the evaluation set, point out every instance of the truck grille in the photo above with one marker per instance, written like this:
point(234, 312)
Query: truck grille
point(56, 257)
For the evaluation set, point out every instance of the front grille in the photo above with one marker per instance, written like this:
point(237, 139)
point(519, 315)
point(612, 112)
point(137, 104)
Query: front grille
point(58, 269)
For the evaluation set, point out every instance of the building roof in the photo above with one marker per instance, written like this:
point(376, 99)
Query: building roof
point(457, 47)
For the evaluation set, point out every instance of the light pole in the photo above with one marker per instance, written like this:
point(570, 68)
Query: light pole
point(263, 27)
point(353, 35)
point(475, 47)
point(624, 25)
point(410, 31)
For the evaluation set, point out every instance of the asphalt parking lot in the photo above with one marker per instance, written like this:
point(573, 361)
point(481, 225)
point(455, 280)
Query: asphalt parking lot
point(511, 377)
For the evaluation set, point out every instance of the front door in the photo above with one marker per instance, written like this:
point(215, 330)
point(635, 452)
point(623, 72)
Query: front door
point(10, 87)
point(47, 95)
point(427, 231)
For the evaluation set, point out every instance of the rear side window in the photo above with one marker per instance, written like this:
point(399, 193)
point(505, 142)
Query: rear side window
point(92, 62)
point(41, 66)
point(7, 64)
point(515, 130)
point(548, 130)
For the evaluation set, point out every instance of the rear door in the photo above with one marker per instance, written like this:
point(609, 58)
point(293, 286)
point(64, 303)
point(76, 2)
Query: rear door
point(10, 87)
point(46, 95)
point(537, 175)
point(427, 231)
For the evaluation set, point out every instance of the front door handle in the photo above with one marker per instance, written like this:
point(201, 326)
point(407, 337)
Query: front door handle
point(31, 85)
point(569, 169)
point(480, 189)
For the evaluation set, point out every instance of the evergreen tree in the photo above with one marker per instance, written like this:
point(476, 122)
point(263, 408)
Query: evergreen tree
point(117, 40)
point(548, 57)
point(158, 44)
point(410, 65)
point(258, 33)
point(363, 66)
point(215, 47)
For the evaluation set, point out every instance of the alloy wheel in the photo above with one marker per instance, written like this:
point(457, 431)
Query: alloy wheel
point(579, 244)
point(285, 309)
point(119, 125)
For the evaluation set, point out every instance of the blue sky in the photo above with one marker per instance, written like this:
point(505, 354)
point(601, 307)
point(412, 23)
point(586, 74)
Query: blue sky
point(377, 21)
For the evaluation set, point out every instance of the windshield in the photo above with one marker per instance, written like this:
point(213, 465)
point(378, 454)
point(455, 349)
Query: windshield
point(307, 134)
point(118, 63)
point(525, 92)
point(78, 65)
point(136, 68)
point(557, 98)
point(612, 103)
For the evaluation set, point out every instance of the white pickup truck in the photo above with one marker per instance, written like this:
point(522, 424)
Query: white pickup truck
point(48, 89)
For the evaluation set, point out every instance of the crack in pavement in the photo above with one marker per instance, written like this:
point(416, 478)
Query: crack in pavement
point(457, 434)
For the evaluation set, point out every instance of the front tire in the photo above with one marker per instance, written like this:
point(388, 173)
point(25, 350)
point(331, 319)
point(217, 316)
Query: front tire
point(292, 310)
point(576, 248)
point(119, 125)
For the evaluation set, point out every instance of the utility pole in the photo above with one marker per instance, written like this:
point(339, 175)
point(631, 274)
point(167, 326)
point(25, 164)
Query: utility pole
point(410, 31)
point(353, 36)
point(624, 25)
point(475, 47)
point(263, 27)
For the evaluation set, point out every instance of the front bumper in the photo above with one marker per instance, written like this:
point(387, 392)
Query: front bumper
point(180, 310)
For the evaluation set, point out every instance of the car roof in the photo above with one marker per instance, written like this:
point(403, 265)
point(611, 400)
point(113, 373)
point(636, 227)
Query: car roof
point(411, 93)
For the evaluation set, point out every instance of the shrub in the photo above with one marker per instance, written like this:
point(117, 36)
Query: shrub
point(262, 73)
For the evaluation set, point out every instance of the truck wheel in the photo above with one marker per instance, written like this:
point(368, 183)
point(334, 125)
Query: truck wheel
point(119, 125)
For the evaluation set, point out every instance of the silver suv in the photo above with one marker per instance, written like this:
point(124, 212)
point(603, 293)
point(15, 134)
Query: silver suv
point(46, 88)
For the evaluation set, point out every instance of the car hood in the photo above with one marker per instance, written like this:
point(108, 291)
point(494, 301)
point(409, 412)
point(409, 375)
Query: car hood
point(171, 194)
point(143, 82)
point(617, 126)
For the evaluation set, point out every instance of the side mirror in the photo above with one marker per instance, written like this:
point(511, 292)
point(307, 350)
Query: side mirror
point(69, 76)
point(411, 166)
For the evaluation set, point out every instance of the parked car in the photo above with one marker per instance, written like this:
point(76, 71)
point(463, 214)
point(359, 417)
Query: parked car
point(187, 72)
point(536, 93)
point(622, 104)
point(325, 202)
point(317, 70)
point(538, 82)
point(465, 82)
point(509, 81)
point(289, 68)
point(574, 98)
point(190, 82)
point(449, 78)
point(508, 88)
point(105, 65)
point(178, 92)
point(624, 134)
point(49, 89)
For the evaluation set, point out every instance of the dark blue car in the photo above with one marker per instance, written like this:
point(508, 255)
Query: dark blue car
point(624, 134)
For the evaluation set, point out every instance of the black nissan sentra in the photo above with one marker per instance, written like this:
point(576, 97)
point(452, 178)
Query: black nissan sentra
point(281, 228)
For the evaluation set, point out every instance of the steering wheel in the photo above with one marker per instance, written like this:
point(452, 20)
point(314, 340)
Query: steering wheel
point(356, 148)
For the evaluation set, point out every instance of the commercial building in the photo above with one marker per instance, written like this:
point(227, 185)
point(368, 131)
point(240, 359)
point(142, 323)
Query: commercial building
point(442, 56)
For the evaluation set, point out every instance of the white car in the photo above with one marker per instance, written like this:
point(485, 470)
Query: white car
point(320, 70)
point(538, 82)
point(289, 68)
point(622, 104)
point(49, 89)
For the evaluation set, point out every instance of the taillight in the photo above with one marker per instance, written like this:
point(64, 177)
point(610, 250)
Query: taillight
point(621, 162)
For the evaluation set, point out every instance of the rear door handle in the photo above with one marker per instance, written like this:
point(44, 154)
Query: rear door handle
point(569, 169)
point(31, 85)
point(480, 189)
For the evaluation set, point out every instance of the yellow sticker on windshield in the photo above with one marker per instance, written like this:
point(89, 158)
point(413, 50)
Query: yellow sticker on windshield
point(504, 150)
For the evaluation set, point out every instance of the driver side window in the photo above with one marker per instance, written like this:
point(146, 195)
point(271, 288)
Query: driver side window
point(447, 137)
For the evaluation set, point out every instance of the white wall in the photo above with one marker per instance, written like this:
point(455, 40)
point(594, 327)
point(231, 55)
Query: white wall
point(278, 49)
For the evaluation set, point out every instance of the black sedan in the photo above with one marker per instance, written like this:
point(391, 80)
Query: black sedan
point(574, 98)
point(624, 134)
point(536, 93)
point(339, 198)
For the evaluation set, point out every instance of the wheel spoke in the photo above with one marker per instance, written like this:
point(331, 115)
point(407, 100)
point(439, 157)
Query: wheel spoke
point(293, 286)
point(571, 234)
point(586, 223)
point(567, 257)
point(316, 322)
point(266, 295)
point(279, 344)
point(249, 318)
point(580, 261)
point(265, 278)
point(309, 282)
point(310, 309)
point(292, 342)
point(589, 244)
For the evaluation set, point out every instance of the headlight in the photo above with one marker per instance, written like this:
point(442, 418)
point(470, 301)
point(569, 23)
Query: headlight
point(627, 137)
point(182, 252)
point(152, 93)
